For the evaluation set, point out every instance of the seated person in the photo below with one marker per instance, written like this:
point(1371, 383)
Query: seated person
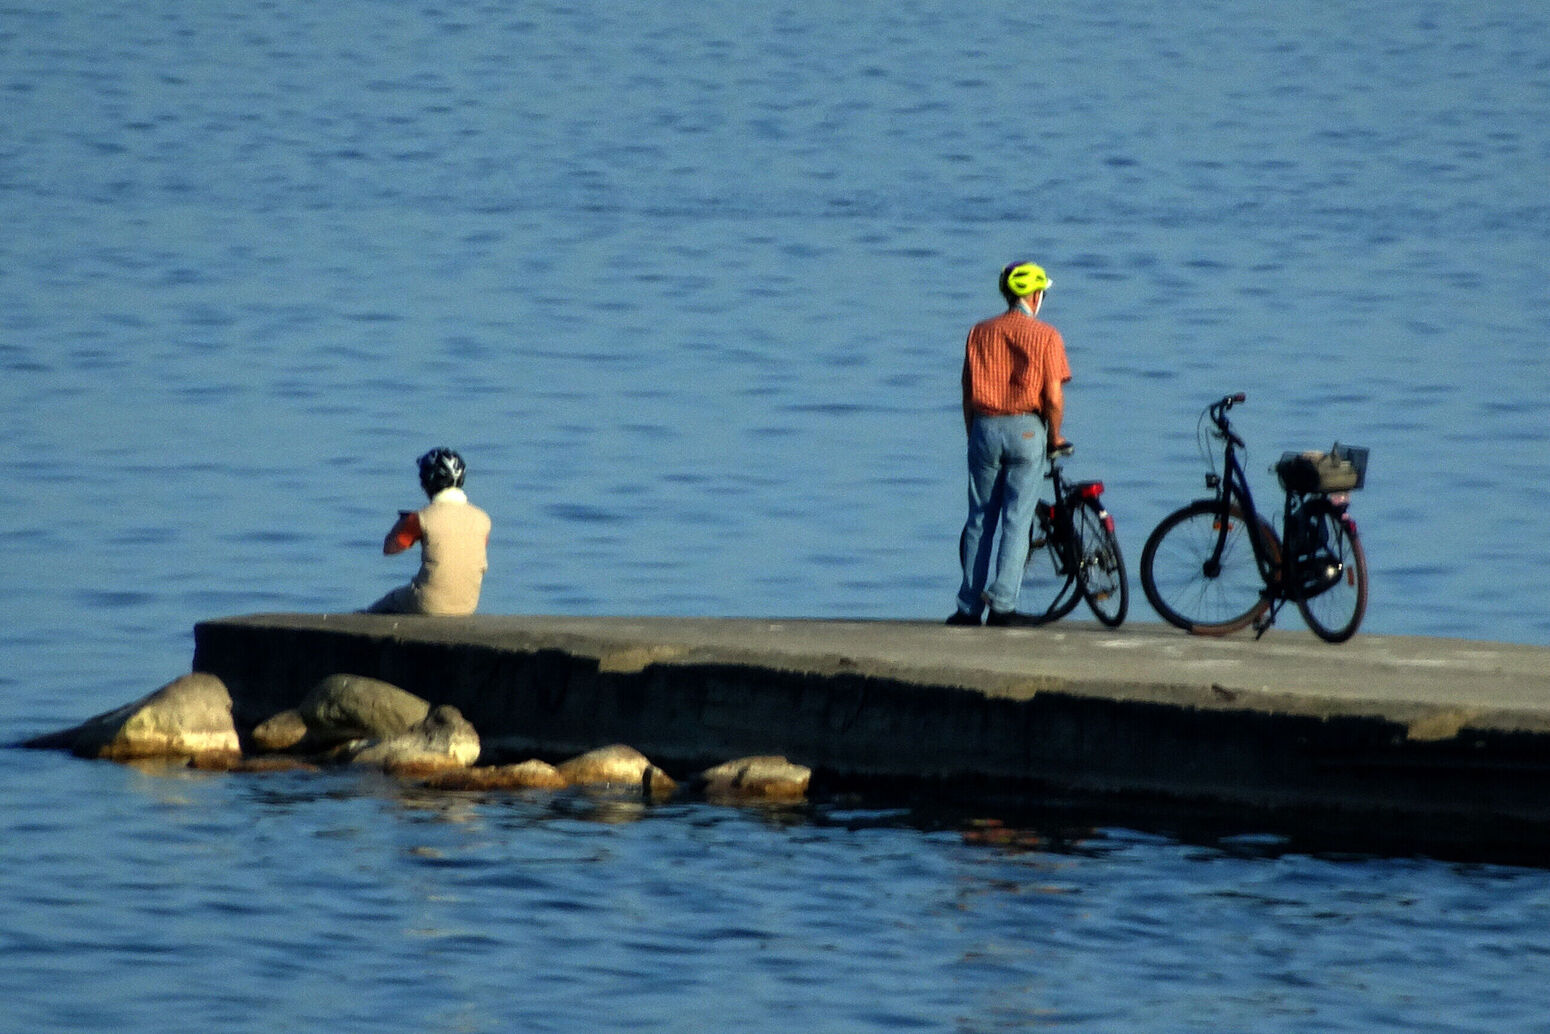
point(453, 534)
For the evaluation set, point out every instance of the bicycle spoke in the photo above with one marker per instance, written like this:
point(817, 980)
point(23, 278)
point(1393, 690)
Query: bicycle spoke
point(1050, 574)
point(1202, 576)
point(1335, 580)
point(1101, 570)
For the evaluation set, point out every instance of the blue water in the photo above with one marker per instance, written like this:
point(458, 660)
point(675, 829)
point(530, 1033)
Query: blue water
point(687, 286)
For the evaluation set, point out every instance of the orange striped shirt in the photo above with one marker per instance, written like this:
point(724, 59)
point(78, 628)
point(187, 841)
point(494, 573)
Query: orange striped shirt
point(1011, 363)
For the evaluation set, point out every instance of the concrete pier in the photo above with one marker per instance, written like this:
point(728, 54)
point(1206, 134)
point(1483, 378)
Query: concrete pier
point(1441, 746)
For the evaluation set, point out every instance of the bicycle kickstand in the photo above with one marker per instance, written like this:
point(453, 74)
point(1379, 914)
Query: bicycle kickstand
point(1262, 624)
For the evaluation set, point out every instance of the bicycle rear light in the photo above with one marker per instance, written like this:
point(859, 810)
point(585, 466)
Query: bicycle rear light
point(1090, 490)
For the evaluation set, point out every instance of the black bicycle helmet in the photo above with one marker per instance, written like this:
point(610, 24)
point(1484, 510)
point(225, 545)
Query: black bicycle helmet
point(441, 468)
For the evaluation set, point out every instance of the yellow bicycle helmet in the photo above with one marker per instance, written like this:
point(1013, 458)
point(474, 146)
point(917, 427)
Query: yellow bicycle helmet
point(1020, 279)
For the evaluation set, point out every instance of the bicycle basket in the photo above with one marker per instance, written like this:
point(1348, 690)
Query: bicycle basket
point(1342, 469)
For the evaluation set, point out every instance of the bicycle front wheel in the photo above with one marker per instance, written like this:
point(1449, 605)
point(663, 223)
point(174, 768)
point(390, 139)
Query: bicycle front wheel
point(1200, 573)
point(1101, 569)
point(1334, 577)
point(1050, 575)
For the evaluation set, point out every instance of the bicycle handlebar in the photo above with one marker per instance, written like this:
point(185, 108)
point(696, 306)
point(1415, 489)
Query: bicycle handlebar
point(1218, 411)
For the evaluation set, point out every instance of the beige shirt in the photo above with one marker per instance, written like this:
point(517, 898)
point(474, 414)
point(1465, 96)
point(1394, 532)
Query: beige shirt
point(454, 536)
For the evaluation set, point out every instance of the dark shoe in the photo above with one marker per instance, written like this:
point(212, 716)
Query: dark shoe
point(963, 617)
point(1010, 619)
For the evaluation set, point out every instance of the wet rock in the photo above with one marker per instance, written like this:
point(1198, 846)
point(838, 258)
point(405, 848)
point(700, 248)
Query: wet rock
point(188, 718)
point(444, 740)
point(529, 775)
point(757, 778)
point(618, 766)
point(352, 707)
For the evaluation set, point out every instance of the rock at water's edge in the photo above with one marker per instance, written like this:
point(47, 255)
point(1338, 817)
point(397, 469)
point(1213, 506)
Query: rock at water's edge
point(444, 740)
point(353, 707)
point(282, 732)
point(764, 777)
point(621, 766)
point(189, 717)
point(528, 775)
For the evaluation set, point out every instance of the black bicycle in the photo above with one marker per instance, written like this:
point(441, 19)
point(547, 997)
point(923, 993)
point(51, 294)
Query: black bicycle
point(1072, 548)
point(1216, 565)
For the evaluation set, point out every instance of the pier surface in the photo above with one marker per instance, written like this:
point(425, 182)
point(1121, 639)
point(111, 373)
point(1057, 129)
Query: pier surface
point(1443, 744)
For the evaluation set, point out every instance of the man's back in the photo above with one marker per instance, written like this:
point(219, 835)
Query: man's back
point(453, 551)
point(1010, 363)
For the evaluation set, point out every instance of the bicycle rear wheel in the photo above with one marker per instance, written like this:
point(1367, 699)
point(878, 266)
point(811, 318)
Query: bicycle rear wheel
point(1101, 569)
point(1193, 586)
point(1335, 575)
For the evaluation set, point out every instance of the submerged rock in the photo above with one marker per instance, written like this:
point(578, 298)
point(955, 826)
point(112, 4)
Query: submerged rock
point(766, 777)
point(618, 766)
point(188, 718)
point(528, 775)
point(265, 764)
point(444, 740)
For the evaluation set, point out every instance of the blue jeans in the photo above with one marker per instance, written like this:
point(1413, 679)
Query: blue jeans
point(1006, 463)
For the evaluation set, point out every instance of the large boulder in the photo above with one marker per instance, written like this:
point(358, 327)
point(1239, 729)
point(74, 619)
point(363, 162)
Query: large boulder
point(344, 707)
point(443, 740)
point(618, 767)
point(757, 778)
point(188, 719)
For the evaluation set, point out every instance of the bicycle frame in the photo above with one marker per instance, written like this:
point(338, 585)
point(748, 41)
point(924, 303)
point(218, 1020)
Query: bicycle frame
point(1233, 485)
point(1054, 519)
point(1053, 527)
point(1067, 497)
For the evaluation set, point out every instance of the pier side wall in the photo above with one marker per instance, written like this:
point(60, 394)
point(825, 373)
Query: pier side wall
point(552, 699)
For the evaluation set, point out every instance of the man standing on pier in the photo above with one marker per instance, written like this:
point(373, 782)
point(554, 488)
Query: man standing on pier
point(1014, 370)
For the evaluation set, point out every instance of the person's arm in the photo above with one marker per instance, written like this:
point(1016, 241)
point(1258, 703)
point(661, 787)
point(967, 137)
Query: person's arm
point(968, 408)
point(404, 534)
point(1053, 404)
point(1055, 412)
